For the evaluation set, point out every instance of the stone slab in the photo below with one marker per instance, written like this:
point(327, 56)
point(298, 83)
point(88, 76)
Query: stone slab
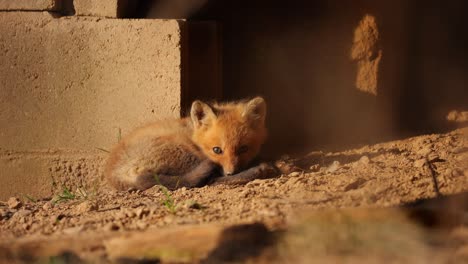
point(80, 82)
point(29, 5)
point(104, 8)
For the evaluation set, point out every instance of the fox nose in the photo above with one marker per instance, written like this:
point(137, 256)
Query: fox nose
point(229, 172)
point(230, 168)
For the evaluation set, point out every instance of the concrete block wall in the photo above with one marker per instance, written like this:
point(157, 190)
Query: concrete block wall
point(29, 5)
point(70, 87)
point(104, 8)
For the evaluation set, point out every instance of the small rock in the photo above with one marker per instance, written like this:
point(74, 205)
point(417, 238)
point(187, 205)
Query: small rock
point(14, 203)
point(414, 177)
point(111, 227)
point(314, 168)
point(457, 173)
point(457, 116)
point(141, 212)
point(424, 151)
point(47, 206)
point(253, 183)
point(218, 206)
point(267, 183)
point(333, 167)
point(420, 163)
point(433, 156)
point(459, 150)
point(3, 214)
point(462, 158)
point(268, 212)
point(286, 167)
point(354, 185)
point(192, 204)
point(294, 174)
point(130, 213)
point(56, 218)
point(85, 206)
point(141, 225)
point(246, 192)
point(187, 221)
point(120, 214)
point(448, 172)
point(364, 160)
point(169, 219)
point(23, 213)
point(183, 191)
point(73, 230)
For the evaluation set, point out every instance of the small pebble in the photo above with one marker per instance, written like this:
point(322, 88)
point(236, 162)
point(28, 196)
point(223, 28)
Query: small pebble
point(420, 163)
point(141, 212)
point(111, 227)
point(23, 213)
point(333, 167)
point(141, 225)
point(459, 150)
point(245, 193)
point(364, 160)
point(73, 230)
point(169, 219)
point(448, 172)
point(47, 206)
point(130, 213)
point(3, 214)
point(84, 207)
point(314, 168)
point(457, 173)
point(294, 174)
point(433, 156)
point(354, 185)
point(253, 183)
point(14, 203)
point(424, 151)
point(183, 191)
point(56, 218)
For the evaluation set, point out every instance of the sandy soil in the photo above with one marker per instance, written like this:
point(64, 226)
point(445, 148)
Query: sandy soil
point(374, 176)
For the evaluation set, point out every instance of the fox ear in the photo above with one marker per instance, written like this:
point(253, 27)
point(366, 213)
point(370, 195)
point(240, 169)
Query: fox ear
point(201, 114)
point(255, 110)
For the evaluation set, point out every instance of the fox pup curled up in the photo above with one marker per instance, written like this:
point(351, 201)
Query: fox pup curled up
point(214, 145)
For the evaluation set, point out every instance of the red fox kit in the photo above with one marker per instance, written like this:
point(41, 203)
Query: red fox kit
point(213, 145)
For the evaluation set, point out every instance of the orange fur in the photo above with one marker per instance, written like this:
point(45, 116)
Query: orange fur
point(177, 148)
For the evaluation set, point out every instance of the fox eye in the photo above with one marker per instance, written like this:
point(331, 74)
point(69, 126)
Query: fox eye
point(243, 149)
point(217, 150)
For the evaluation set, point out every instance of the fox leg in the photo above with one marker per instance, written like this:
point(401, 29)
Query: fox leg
point(262, 171)
point(195, 178)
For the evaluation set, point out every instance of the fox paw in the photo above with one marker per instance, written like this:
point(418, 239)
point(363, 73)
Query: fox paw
point(267, 170)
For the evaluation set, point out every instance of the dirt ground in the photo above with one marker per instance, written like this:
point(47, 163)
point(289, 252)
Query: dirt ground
point(106, 226)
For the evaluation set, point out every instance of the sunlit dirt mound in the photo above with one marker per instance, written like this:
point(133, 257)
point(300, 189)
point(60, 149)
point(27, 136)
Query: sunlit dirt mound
point(216, 223)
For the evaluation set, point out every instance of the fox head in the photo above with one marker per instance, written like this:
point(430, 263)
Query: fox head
point(230, 134)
